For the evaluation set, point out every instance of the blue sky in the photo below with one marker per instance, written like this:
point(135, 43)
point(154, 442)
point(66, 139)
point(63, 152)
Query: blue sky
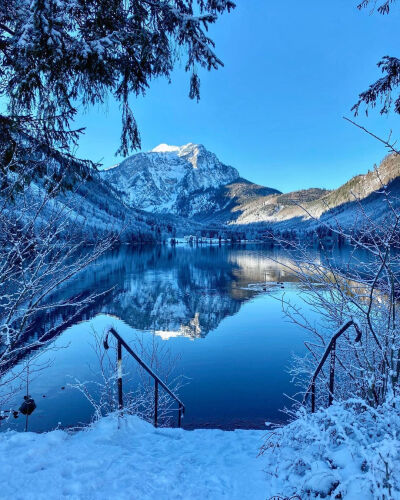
point(292, 70)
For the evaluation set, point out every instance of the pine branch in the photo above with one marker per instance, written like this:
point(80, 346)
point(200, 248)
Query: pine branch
point(387, 144)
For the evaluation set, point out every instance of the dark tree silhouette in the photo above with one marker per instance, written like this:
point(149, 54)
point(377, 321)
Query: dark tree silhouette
point(56, 55)
point(381, 91)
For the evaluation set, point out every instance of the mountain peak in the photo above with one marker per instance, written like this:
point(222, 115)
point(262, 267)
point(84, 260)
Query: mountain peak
point(185, 148)
point(165, 148)
point(164, 178)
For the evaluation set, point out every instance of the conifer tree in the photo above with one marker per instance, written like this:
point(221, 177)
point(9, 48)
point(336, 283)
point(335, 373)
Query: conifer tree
point(57, 55)
point(382, 90)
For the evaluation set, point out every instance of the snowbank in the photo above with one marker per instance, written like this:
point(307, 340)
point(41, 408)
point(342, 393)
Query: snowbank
point(349, 451)
point(135, 462)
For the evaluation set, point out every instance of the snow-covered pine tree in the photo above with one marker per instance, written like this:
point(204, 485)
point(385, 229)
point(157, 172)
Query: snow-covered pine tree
point(382, 90)
point(56, 55)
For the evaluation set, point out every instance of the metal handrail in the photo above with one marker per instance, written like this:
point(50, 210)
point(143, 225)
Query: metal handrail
point(157, 381)
point(331, 348)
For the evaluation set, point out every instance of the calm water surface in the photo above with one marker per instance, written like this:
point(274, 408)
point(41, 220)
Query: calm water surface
point(204, 307)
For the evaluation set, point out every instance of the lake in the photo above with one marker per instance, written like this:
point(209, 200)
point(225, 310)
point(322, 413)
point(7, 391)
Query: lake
point(205, 316)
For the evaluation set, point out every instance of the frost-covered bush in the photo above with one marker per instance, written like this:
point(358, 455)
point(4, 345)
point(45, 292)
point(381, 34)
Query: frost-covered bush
point(358, 283)
point(349, 450)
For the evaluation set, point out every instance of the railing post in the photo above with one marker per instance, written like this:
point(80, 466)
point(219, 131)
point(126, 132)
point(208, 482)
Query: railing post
point(155, 402)
point(331, 348)
point(119, 374)
point(157, 381)
point(180, 415)
point(313, 396)
point(332, 373)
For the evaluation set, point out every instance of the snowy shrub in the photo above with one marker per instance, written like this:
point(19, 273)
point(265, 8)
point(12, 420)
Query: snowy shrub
point(349, 450)
point(138, 386)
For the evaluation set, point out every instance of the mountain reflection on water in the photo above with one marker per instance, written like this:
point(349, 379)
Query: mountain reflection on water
point(180, 290)
point(233, 342)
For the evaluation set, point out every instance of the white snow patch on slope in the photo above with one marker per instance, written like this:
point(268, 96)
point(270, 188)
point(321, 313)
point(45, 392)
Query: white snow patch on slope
point(135, 462)
point(165, 148)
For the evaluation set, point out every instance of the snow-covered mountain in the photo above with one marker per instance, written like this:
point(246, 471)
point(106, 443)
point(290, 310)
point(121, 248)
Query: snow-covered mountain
point(192, 183)
point(95, 209)
point(187, 188)
point(163, 179)
point(315, 206)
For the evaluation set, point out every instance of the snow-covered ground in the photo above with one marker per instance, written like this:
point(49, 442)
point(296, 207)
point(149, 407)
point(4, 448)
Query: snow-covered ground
point(348, 451)
point(135, 462)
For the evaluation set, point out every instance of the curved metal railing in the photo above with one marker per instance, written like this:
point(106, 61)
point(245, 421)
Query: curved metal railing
point(331, 348)
point(157, 381)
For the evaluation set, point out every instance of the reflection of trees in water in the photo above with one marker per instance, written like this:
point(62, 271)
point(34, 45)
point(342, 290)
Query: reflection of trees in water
point(173, 291)
point(177, 291)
